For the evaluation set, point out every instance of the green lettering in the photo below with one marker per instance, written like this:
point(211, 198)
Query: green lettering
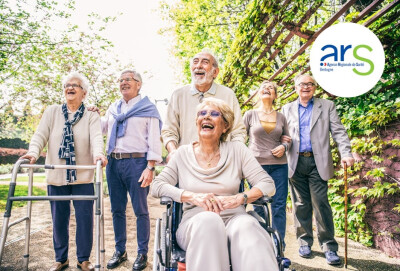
point(363, 59)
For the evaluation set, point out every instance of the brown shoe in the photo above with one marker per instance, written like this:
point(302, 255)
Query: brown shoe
point(85, 266)
point(57, 266)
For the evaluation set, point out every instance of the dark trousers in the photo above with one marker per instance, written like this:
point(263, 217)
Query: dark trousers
point(279, 173)
point(310, 195)
point(60, 212)
point(122, 178)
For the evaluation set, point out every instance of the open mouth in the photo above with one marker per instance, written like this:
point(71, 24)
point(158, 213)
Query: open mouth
point(125, 87)
point(71, 92)
point(199, 72)
point(266, 92)
point(207, 126)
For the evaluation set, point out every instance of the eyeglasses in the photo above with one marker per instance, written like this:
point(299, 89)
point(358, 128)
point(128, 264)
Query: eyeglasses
point(212, 113)
point(72, 85)
point(306, 85)
point(128, 79)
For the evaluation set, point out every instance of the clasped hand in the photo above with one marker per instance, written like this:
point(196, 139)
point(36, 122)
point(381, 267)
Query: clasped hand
point(214, 203)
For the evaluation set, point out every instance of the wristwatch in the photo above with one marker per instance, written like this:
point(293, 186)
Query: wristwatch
point(245, 198)
point(151, 168)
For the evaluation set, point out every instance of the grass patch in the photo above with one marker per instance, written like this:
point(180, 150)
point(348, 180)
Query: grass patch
point(36, 179)
point(20, 190)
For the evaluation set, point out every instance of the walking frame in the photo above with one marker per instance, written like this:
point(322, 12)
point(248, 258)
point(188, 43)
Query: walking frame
point(99, 208)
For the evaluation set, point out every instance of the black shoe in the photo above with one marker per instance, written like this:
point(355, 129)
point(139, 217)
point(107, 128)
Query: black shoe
point(117, 259)
point(332, 258)
point(305, 251)
point(140, 262)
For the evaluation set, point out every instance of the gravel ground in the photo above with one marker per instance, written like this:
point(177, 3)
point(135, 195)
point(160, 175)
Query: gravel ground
point(42, 254)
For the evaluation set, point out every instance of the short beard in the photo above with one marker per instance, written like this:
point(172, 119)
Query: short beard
point(207, 79)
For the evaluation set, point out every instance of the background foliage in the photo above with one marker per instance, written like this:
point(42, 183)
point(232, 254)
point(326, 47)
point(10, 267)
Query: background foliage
point(38, 47)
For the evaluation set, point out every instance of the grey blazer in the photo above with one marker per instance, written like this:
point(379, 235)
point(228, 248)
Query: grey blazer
point(324, 121)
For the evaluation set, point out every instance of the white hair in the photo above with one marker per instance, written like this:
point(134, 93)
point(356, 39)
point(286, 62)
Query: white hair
point(211, 53)
point(81, 78)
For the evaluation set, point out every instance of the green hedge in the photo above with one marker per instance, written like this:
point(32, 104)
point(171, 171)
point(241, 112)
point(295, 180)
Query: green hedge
point(13, 143)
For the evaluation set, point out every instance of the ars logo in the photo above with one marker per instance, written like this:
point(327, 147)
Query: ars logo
point(347, 60)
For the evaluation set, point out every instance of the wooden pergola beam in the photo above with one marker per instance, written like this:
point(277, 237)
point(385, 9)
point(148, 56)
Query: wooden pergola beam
point(333, 19)
point(383, 11)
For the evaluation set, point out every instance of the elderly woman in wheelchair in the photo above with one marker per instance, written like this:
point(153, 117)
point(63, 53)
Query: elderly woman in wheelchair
point(215, 230)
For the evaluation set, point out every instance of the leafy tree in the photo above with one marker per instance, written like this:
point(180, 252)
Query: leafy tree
point(203, 24)
point(34, 58)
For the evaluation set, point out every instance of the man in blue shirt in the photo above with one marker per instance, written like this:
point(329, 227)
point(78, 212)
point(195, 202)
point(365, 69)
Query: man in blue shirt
point(311, 123)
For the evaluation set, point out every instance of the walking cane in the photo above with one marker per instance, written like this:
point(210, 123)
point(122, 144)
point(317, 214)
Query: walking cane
point(345, 215)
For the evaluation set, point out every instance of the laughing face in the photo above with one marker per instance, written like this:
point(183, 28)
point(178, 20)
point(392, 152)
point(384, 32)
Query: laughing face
point(203, 71)
point(73, 91)
point(267, 91)
point(305, 87)
point(210, 123)
point(129, 86)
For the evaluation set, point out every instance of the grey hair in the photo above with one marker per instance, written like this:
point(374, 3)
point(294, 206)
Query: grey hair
point(136, 75)
point(299, 76)
point(211, 53)
point(226, 112)
point(84, 82)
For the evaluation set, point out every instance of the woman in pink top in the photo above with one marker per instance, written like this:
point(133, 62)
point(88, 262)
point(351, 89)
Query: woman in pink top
point(265, 128)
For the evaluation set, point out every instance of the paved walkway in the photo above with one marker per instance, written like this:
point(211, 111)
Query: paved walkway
point(41, 249)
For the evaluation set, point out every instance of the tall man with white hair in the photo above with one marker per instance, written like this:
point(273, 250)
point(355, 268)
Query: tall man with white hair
point(311, 122)
point(132, 125)
point(179, 127)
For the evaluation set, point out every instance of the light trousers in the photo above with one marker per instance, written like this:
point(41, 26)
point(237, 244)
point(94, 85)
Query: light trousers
point(213, 242)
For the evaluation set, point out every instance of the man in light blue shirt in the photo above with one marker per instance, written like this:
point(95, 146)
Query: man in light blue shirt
point(305, 113)
point(311, 122)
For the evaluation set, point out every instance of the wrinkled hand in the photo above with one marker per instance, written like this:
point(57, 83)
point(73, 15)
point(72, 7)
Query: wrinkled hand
point(208, 201)
point(278, 151)
point(349, 161)
point(146, 178)
point(93, 109)
point(231, 202)
point(31, 159)
point(103, 159)
point(286, 139)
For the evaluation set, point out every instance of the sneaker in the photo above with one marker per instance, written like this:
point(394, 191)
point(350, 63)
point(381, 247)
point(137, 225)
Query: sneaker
point(332, 258)
point(305, 251)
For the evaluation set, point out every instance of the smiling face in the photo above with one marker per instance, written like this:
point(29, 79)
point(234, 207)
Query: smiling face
point(203, 71)
point(73, 91)
point(305, 87)
point(267, 91)
point(129, 86)
point(210, 123)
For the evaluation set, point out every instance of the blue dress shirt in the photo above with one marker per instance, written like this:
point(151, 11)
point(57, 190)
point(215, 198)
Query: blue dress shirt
point(305, 114)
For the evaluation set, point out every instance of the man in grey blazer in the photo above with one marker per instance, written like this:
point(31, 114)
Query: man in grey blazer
point(311, 122)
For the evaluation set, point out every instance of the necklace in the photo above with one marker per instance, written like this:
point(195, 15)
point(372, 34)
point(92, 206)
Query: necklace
point(267, 112)
point(212, 158)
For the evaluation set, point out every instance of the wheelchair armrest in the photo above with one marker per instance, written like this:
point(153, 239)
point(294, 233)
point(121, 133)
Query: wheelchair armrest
point(263, 200)
point(166, 200)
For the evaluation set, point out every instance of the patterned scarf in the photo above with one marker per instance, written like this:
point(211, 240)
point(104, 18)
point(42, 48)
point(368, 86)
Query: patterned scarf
point(67, 149)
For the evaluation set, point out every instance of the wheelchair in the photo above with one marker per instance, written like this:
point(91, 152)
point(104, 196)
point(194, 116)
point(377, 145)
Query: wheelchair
point(168, 256)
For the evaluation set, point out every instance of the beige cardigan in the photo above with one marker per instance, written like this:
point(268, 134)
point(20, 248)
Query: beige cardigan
point(87, 137)
point(236, 162)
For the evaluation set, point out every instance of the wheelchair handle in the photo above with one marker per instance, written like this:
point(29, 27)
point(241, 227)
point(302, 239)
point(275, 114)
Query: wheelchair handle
point(263, 200)
point(166, 200)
